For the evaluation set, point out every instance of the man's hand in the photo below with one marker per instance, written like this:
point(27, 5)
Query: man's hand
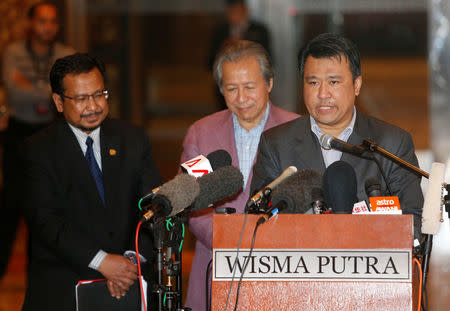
point(120, 274)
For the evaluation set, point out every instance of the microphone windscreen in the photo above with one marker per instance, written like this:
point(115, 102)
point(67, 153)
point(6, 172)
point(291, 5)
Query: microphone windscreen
point(177, 194)
point(340, 187)
point(219, 158)
point(296, 191)
point(317, 194)
point(222, 183)
point(431, 215)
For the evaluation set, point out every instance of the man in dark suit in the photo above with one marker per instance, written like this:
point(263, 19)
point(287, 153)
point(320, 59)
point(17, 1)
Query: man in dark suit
point(331, 73)
point(84, 177)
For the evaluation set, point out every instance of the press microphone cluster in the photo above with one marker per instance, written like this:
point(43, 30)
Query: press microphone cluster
point(173, 197)
point(185, 192)
point(256, 199)
point(296, 194)
point(214, 160)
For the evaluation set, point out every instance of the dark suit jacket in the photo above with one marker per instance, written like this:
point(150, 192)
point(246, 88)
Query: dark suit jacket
point(67, 219)
point(294, 143)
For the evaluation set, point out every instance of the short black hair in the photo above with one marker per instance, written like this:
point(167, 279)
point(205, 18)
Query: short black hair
point(33, 8)
point(72, 64)
point(330, 45)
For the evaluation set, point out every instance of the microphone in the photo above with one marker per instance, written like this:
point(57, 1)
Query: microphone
point(173, 197)
point(318, 204)
point(149, 195)
point(328, 141)
point(431, 215)
point(340, 187)
point(218, 158)
point(200, 166)
point(265, 192)
point(373, 187)
point(294, 194)
point(218, 185)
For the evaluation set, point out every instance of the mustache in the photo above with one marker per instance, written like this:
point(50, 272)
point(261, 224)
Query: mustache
point(95, 113)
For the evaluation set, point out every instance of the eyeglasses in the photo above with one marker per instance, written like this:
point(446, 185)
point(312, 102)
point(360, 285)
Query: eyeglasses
point(84, 99)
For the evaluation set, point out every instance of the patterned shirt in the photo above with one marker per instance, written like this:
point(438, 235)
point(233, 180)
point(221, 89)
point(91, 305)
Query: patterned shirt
point(333, 155)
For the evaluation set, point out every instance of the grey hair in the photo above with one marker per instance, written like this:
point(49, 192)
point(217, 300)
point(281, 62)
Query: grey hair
point(239, 50)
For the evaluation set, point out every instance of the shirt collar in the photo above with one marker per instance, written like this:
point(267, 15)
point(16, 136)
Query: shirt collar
point(82, 136)
point(345, 133)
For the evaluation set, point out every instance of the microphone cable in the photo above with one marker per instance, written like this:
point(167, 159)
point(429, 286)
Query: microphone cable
point(419, 267)
point(377, 162)
point(236, 260)
point(246, 264)
point(139, 266)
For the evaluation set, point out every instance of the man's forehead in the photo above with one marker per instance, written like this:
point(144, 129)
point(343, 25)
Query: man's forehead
point(313, 63)
point(247, 62)
point(83, 79)
point(44, 10)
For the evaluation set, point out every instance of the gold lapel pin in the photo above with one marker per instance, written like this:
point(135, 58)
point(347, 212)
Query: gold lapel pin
point(112, 152)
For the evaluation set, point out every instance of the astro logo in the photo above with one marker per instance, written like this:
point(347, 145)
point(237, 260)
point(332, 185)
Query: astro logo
point(386, 205)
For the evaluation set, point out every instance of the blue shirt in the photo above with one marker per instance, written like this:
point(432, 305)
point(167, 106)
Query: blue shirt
point(247, 143)
point(333, 155)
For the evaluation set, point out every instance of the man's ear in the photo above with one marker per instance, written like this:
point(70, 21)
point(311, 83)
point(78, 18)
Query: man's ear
point(357, 84)
point(58, 102)
point(270, 86)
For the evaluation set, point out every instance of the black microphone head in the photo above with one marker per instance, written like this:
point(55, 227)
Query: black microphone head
point(296, 191)
point(216, 186)
point(340, 187)
point(373, 187)
point(177, 194)
point(219, 158)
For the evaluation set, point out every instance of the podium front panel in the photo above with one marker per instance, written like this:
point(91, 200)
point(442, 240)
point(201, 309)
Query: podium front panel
point(368, 258)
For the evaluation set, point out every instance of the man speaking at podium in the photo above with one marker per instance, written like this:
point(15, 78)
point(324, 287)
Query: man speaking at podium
point(330, 71)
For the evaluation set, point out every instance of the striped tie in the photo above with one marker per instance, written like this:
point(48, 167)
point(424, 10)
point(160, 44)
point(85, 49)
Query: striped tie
point(93, 167)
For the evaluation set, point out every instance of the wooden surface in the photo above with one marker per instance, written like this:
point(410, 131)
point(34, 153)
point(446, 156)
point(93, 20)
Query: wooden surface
point(316, 232)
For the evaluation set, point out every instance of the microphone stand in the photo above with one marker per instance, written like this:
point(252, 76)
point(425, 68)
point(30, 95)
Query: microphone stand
point(426, 252)
point(168, 263)
point(159, 235)
point(373, 147)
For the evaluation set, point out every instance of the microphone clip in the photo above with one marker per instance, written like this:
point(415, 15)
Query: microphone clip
point(369, 145)
point(259, 204)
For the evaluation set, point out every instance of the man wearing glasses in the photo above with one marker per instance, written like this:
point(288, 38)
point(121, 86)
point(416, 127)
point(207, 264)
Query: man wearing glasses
point(84, 176)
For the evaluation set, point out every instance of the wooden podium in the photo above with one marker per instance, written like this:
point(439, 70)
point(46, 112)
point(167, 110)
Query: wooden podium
point(316, 262)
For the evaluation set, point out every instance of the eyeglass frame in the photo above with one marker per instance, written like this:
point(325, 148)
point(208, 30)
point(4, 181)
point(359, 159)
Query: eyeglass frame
point(104, 93)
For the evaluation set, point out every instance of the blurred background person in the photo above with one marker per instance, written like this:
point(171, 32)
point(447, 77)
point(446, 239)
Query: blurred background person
point(237, 26)
point(26, 66)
